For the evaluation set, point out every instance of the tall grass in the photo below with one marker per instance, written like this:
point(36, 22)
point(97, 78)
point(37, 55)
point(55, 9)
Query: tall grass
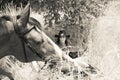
point(105, 43)
point(11, 10)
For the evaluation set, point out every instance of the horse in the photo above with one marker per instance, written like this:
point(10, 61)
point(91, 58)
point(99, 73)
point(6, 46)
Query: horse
point(22, 27)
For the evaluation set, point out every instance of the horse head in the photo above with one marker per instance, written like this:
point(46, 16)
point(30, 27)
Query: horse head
point(29, 29)
point(10, 43)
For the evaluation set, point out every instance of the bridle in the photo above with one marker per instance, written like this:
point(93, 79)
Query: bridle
point(25, 41)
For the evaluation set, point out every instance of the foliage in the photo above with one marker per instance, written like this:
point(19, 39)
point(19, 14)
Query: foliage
point(71, 15)
point(75, 11)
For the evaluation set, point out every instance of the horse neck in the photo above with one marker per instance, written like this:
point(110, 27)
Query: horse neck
point(14, 47)
point(10, 45)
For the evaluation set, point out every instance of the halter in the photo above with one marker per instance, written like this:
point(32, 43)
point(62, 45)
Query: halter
point(24, 41)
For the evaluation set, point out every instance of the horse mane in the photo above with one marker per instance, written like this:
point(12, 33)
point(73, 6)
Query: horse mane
point(4, 18)
point(3, 29)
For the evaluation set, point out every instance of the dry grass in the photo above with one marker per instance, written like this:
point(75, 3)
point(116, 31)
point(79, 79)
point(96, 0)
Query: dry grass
point(25, 71)
point(104, 45)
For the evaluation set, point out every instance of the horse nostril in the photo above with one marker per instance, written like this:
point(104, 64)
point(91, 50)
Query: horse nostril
point(73, 55)
point(38, 42)
point(42, 41)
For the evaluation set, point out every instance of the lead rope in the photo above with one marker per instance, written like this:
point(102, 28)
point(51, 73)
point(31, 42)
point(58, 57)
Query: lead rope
point(24, 50)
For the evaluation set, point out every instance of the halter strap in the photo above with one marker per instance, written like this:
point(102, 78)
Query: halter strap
point(24, 41)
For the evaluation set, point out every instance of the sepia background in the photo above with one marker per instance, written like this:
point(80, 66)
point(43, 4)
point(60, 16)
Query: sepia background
point(93, 26)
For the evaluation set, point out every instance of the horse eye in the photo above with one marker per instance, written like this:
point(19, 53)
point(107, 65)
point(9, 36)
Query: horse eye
point(39, 42)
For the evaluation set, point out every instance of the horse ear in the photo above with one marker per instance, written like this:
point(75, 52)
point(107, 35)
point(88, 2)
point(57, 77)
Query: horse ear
point(24, 16)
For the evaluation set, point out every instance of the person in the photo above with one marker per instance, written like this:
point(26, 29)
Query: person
point(62, 39)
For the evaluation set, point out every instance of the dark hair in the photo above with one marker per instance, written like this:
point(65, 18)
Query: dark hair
point(3, 28)
point(58, 37)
